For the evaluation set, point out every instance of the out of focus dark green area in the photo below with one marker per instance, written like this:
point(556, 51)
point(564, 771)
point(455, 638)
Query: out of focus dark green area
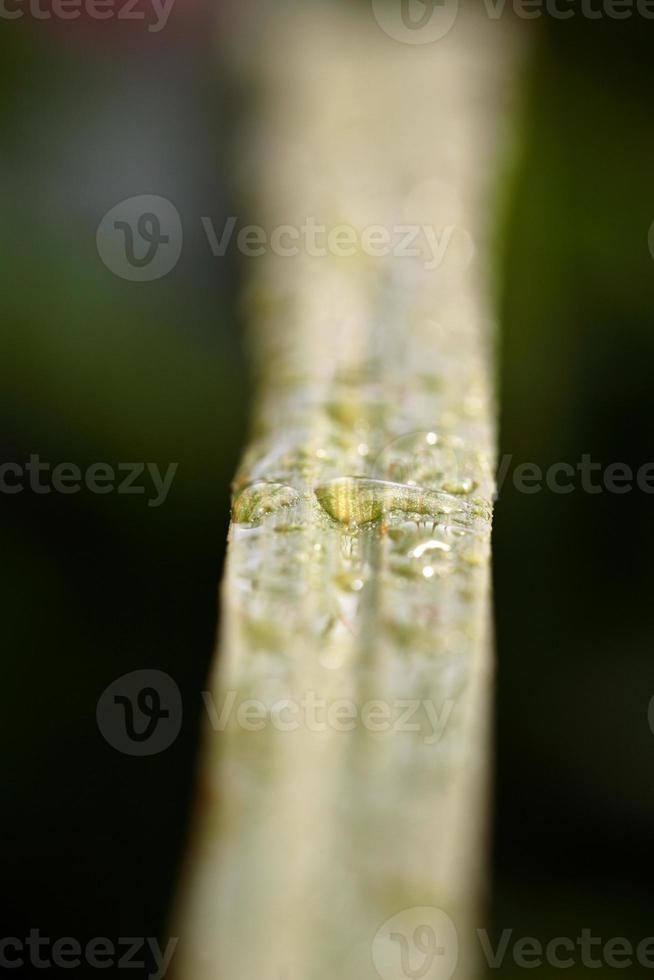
point(573, 573)
point(96, 368)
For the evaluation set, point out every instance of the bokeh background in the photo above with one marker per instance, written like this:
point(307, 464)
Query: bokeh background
point(96, 368)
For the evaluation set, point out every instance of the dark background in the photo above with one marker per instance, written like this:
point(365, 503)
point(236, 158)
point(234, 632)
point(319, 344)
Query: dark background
point(573, 573)
point(95, 368)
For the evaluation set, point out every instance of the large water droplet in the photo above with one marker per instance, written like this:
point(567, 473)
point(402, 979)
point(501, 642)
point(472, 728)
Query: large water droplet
point(354, 501)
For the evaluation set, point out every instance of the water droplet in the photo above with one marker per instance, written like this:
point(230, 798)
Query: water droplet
point(258, 499)
point(354, 501)
point(435, 461)
point(459, 486)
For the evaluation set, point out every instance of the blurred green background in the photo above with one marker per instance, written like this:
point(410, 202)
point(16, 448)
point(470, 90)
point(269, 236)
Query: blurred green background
point(96, 368)
point(573, 573)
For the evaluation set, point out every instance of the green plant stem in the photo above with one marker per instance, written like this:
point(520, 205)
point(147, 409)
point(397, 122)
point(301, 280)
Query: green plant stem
point(356, 596)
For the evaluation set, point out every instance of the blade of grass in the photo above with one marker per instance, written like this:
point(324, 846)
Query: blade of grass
point(345, 776)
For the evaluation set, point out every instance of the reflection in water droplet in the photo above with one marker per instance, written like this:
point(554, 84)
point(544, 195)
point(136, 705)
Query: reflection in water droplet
point(459, 486)
point(354, 501)
point(431, 545)
point(258, 499)
point(349, 581)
